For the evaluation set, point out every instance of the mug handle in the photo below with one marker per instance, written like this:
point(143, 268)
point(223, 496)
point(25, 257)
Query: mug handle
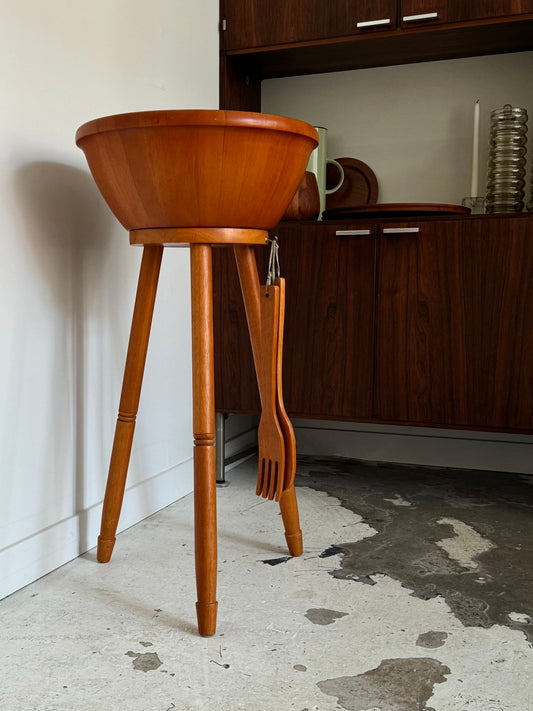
point(341, 179)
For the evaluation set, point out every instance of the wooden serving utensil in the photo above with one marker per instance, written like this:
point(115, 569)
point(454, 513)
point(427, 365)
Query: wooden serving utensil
point(251, 290)
point(271, 472)
point(283, 418)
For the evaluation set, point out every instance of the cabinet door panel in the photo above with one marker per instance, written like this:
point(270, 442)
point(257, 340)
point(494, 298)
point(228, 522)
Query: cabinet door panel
point(379, 15)
point(420, 355)
point(328, 325)
point(416, 12)
point(497, 276)
point(257, 23)
point(480, 9)
point(454, 343)
point(427, 12)
point(328, 338)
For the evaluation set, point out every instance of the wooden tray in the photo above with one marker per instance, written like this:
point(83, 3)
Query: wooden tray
point(360, 185)
point(405, 209)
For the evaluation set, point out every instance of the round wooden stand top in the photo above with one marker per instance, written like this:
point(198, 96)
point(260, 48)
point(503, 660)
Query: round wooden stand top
point(185, 236)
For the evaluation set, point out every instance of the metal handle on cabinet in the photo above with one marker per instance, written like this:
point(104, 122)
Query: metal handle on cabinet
point(399, 230)
point(352, 233)
point(373, 23)
point(424, 16)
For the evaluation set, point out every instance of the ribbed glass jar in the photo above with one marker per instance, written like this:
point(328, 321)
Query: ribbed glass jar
point(529, 205)
point(507, 160)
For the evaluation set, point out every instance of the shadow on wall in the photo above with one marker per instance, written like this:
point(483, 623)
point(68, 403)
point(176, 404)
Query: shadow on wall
point(68, 230)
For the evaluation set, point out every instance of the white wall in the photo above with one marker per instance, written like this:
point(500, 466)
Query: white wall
point(68, 275)
point(412, 125)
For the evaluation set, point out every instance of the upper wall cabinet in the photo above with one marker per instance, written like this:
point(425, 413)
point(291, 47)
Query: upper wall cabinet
point(417, 12)
point(263, 23)
point(260, 23)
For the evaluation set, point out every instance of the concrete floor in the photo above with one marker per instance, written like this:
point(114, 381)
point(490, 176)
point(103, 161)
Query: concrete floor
point(413, 594)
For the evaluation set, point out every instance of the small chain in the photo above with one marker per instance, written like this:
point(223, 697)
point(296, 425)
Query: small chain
point(273, 262)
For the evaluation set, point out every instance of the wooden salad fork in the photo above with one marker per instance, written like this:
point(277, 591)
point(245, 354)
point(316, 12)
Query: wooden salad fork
point(271, 471)
point(283, 418)
point(251, 291)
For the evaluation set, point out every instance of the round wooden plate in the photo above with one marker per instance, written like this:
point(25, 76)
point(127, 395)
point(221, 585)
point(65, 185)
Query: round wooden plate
point(360, 185)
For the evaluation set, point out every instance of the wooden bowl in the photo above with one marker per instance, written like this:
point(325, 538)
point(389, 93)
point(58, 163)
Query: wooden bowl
point(197, 168)
point(305, 205)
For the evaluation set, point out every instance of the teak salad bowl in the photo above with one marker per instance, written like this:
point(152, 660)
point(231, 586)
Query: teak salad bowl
point(197, 168)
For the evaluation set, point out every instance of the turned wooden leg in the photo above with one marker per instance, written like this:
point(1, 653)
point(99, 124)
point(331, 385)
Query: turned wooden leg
point(203, 380)
point(129, 399)
point(250, 287)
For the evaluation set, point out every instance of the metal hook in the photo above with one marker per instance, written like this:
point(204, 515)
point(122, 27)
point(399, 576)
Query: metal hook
point(273, 263)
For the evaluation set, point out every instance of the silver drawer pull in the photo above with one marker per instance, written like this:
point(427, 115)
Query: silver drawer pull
point(352, 233)
point(399, 230)
point(373, 23)
point(416, 18)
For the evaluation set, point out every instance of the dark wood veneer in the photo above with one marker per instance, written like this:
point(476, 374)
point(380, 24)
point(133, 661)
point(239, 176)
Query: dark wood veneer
point(235, 380)
point(328, 338)
point(253, 24)
point(453, 340)
point(427, 329)
point(498, 313)
point(384, 48)
point(461, 11)
point(420, 353)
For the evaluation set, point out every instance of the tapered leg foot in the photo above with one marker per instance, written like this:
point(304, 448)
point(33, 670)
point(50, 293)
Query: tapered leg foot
point(206, 613)
point(295, 543)
point(105, 549)
point(205, 535)
point(291, 521)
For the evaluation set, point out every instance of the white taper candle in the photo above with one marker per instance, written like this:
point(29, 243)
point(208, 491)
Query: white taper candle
point(475, 154)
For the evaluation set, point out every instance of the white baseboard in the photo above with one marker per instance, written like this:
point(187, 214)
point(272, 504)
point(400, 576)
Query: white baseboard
point(416, 445)
point(243, 442)
point(27, 560)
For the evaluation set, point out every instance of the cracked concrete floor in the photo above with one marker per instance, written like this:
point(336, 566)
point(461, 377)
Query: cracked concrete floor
point(413, 594)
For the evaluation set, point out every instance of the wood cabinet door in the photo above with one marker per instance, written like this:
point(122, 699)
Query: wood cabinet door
point(454, 343)
point(379, 15)
point(420, 357)
point(259, 23)
point(458, 10)
point(327, 367)
point(417, 12)
point(414, 13)
point(497, 290)
point(328, 335)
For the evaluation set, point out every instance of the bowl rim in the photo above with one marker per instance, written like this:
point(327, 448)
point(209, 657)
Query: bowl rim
point(195, 117)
